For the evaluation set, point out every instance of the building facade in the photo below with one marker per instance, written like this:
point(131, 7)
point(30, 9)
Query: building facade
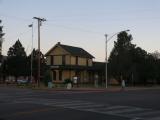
point(68, 62)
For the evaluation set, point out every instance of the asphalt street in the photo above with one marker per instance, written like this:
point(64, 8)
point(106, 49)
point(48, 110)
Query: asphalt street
point(25, 104)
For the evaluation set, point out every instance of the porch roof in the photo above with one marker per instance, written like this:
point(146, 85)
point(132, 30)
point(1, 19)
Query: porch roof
point(96, 67)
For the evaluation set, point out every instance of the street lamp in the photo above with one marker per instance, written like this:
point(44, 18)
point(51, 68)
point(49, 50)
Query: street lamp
point(31, 25)
point(107, 39)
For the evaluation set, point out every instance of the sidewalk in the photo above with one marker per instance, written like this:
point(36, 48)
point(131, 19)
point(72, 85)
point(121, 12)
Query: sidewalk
point(109, 89)
point(99, 89)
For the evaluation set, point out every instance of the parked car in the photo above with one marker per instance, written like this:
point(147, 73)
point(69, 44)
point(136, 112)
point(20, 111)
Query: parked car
point(9, 81)
point(22, 81)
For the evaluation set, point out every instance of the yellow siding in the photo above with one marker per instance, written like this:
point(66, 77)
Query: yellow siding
point(57, 60)
point(48, 59)
point(84, 76)
point(73, 74)
point(65, 75)
point(73, 60)
point(67, 59)
point(82, 61)
point(58, 51)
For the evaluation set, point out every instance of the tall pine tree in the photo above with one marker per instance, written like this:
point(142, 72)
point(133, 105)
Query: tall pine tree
point(1, 38)
point(17, 60)
point(120, 59)
point(1, 57)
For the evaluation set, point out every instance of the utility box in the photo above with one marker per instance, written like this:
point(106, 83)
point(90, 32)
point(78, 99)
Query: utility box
point(50, 84)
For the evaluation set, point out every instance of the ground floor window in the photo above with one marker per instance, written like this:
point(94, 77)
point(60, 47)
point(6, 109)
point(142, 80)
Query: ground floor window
point(60, 75)
point(54, 75)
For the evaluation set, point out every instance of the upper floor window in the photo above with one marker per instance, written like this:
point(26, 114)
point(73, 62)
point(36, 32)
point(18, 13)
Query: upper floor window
point(76, 60)
point(52, 59)
point(87, 62)
point(63, 60)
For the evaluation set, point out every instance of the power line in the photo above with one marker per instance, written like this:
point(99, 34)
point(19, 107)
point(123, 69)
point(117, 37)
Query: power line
point(75, 28)
point(15, 17)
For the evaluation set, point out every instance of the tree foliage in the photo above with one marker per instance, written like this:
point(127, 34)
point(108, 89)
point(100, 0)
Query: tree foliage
point(120, 59)
point(1, 57)
point(19, 64)
point(132, 63)
point(34, 60)
point(16, 60)
point(1, 36)
point(17, 50)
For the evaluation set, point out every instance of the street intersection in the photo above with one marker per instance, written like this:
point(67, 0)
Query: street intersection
point(24, 104)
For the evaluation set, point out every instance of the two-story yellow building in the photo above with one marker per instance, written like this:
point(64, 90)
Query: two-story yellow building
point(68, 61)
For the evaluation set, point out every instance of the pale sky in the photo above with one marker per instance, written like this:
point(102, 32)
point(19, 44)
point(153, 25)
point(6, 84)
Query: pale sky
point(81, 23)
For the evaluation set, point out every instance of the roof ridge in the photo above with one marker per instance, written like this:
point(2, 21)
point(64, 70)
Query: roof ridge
point(77, 51)
point(71, 46)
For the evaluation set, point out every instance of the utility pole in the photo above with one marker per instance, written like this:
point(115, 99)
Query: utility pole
point(40, 20)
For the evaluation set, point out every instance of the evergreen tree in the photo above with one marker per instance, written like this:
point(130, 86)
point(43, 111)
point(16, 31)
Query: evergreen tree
point(132, 63)
point(156, 66)
point(17, 50)
point(1, 38)
point(17, 60)
point(120, 59)
point(139, 60)
point(1, 57)
point(35, 64)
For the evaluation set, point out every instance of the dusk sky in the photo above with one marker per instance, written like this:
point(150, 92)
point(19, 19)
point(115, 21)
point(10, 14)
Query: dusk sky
point(81, 23)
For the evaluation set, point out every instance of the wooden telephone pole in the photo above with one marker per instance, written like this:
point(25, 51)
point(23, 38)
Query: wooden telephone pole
point(40, 20)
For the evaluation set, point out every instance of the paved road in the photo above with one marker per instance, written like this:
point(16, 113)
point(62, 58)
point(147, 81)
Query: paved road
point(24, 104)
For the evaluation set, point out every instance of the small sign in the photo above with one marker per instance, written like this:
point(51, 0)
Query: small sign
point(75, 80)
point(54, 66)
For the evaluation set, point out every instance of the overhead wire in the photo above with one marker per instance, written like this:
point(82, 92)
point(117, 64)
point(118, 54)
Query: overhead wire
point(53, 22)
point(14, 17)
point(73, 28)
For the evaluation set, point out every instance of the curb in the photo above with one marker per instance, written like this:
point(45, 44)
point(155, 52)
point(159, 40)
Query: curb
point(97, 90)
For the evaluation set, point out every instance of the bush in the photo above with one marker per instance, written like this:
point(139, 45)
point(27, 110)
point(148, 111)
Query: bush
point(66, 81)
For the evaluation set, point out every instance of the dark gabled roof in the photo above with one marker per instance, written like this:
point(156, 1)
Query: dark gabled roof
point(75, 51)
